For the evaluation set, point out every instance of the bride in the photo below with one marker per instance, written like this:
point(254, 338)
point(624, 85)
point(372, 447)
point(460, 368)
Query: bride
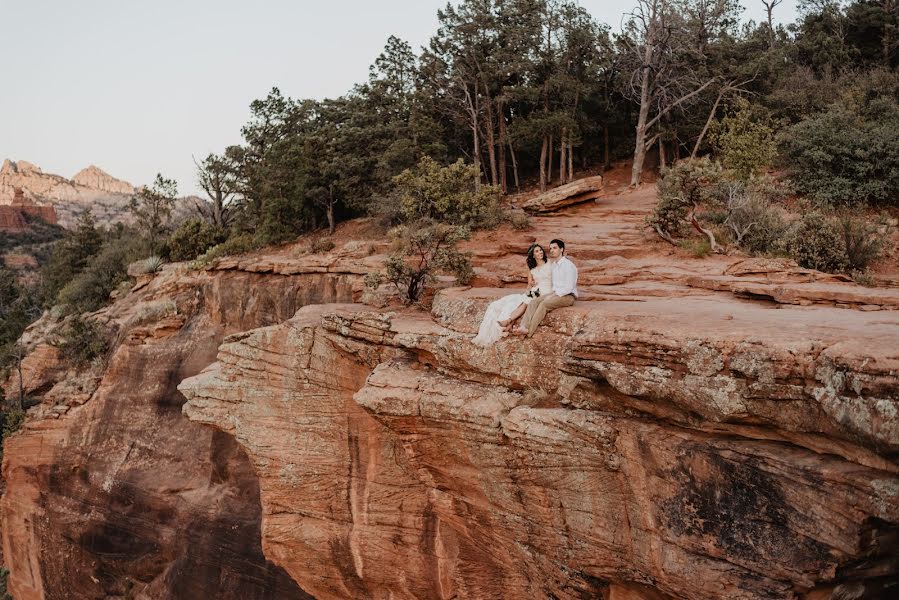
point(503, 312)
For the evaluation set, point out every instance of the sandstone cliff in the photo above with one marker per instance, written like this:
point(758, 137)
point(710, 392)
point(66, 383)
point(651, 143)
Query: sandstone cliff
point(690, 429)
point(90, 189)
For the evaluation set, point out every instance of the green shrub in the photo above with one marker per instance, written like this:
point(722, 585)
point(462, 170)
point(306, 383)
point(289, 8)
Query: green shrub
point(752, 214)
point(81, 341)
point(152, 264)
point(238, 244)
point(193, 238)
point(846, 156)
point(373, 280)
point(863, 240)
point(769, 231)
point(863, 278)
point(519, 220)
point(422, 250)
point(320, 245)
point(449, 195)
point(687, 185)
point(744, 140)
point(698, 247)
point(90, 289)
point(4, 577)
point(816, 242)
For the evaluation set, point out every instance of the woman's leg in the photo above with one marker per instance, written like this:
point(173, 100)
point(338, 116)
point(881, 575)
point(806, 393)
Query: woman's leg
point(519, 310)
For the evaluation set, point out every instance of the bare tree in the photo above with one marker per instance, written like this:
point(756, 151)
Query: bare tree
point(664, 77)
point(769, 8)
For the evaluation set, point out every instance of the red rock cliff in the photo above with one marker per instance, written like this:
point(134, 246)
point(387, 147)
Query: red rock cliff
point(690, 429)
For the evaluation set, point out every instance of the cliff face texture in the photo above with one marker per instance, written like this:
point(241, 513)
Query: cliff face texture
point(718, 428)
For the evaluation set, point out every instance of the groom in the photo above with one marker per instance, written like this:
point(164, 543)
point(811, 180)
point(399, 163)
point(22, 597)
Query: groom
point(564, 290)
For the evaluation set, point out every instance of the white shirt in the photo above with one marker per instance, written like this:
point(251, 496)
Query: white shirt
point(564, 277)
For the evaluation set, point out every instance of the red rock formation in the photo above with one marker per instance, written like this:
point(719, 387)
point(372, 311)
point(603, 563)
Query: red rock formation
point(11, 220)
point(110, 491)
point(675, 434)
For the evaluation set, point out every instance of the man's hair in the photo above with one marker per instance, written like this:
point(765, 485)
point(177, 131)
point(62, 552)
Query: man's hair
point(558, 243)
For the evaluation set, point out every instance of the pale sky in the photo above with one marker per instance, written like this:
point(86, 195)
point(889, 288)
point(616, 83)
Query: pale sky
point(142, 87)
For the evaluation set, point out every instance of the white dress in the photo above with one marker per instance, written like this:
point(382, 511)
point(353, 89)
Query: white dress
point(499, 310)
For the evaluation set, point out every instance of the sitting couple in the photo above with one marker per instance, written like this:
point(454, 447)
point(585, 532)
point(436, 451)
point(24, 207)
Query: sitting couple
point(552, 284)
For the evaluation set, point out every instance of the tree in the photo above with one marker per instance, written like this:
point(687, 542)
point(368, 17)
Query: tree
point(152, 208)
point(770, 5)
point(217, 176)
point(70, 256)
point(423, 249)
point(668, 41)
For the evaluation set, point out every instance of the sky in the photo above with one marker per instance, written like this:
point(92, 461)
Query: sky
point(139, 88)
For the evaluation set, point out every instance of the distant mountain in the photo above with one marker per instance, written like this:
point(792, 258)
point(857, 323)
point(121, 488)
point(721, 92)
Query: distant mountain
point(91, 188)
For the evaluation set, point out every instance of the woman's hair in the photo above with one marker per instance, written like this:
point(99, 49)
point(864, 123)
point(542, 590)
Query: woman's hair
point(532, 261)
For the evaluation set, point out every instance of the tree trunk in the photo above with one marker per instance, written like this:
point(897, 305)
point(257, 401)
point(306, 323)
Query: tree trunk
point(642, 118)
point(543, 164)
point(606, 158)
point(514, 164)
point(563, 146)
point(501, 119)
point(708, 121)
point(330, 211)
point(491, 141)
point(662, 163)
point(549, 161)
point(570, 161)
point(472, 106)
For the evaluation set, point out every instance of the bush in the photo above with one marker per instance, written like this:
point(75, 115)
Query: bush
point(238, 244)
point(752, 214)
point(193, 238)
point(320, 245)
point(90, 289)
point(82, 341)
point(684, 187)
point(744, 140)
point(11, 420)
point(769, 232)
point(847, 156)
point(519, 220)
point(422, 250)
point(816, 242)
point(446, 194)
point(698, 247)
point(863, 240)
point(152, 264)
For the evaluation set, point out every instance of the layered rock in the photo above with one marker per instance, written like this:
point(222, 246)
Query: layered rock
point(712, 428)
point(110, 492)
point(95, 178)
point(622, 448)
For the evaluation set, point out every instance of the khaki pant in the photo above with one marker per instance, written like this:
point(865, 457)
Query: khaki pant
point(538, 308)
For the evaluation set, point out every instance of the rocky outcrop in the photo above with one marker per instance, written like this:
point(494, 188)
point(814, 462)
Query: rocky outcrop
point(110, 491)
point(91, 189)
point(623, 446)
point(96, 178)
point(258, 432)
